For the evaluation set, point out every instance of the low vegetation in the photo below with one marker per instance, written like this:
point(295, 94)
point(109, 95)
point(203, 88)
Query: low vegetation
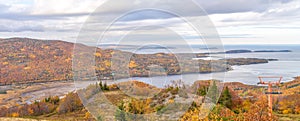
point(49, 108)
point(233, 104)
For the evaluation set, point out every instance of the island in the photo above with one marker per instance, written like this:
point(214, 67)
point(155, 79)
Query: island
point(272, 51)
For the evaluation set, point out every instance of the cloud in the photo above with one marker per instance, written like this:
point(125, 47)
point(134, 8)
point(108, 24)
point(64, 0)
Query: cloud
point(53, 7)
point(237, 36)
point(211, 7)
point(279, 27)
point(34, 28)
point(4, 29)
point(287, 12)
point(236, 6)
point(3, 8)
point(234, 19)
point(35, 10)
point(23, 28)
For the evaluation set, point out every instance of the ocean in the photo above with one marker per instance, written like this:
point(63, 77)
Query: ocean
point(287, 66)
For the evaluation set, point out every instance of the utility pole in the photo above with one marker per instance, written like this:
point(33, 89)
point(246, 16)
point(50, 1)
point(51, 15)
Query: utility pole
point(270, 91)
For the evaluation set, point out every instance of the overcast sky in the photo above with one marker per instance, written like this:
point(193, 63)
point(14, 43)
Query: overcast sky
point(236, 21)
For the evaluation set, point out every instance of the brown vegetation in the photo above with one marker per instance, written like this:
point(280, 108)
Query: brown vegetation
point(232, 105)
point(48, 106)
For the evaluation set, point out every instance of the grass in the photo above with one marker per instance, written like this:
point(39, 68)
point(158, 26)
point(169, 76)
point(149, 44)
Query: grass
point(76, 115)
point(3, 92)
point(288, 117)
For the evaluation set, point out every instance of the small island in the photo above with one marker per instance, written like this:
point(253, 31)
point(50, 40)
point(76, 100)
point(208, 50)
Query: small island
point(238, 51)
point(248, 51)
point(272, 51)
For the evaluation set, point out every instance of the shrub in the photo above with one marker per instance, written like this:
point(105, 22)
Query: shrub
point(70, 103)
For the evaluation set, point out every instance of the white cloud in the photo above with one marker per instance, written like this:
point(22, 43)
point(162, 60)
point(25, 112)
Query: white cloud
point(64, 6)
point(260, 20)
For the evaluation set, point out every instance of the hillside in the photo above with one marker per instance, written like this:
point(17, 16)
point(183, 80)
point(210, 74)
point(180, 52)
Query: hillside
point(230, 105)
point(237, 101)
point(32, 60)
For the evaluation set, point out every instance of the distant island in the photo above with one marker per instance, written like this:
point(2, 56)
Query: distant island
point(238, 51)
point(253, 51)
point(272, 51)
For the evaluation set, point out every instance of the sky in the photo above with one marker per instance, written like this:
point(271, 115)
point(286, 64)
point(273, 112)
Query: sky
point(235, 21)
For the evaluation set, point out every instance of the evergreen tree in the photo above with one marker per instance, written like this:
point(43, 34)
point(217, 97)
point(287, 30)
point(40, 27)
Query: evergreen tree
point(225, 98)
point(120, 113)
point(99, 118)
point(213, 93)
point(101, 85)
point(202, 91)
point(105, 87)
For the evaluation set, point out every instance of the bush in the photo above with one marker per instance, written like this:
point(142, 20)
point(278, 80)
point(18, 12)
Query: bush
point(70, 103)
point(287, 111)
point(120, 115)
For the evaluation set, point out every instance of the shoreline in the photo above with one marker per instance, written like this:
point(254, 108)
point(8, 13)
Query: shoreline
point(39, 91)
point(229, 64)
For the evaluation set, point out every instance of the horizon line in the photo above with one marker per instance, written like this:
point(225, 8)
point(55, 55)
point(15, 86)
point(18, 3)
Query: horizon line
point(44, 39)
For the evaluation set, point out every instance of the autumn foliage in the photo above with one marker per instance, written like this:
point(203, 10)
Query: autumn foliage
point(69, 103)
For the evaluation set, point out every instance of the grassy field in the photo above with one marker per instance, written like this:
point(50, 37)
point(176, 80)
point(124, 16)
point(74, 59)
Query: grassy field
point(288, 117)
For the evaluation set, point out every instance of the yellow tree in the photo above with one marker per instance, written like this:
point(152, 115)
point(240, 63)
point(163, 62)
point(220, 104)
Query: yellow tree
point(132, 64)
point(259, 111)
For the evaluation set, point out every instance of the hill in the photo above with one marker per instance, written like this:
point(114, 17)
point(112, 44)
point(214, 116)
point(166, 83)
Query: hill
point(32, 60)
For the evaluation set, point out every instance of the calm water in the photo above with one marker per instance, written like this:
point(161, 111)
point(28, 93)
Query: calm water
point(288, 65)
